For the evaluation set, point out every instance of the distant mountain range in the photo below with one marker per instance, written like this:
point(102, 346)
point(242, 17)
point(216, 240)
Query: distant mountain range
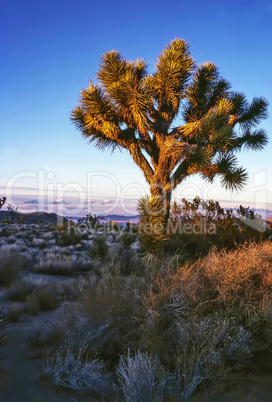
point(114, 218)
point(33, 217)
point(45, 218)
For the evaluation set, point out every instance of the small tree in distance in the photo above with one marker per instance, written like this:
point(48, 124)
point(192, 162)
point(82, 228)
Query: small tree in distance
point(179, 121)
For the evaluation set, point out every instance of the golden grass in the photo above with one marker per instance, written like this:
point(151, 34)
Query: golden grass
point(246, 271)
point(241, 277)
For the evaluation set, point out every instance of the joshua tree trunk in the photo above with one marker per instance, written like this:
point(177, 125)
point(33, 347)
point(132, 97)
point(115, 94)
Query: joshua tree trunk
point(164, 191)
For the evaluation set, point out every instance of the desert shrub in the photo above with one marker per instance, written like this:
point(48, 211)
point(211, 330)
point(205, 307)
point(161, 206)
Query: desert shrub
point(20, 290)
point(194, 227)
point(128, 263)
point(208, 347)
point(152, 230)
point(10, 264)
point(5, 232)
point(131, 227)
point(99, 249)
point(126, 260)
point(69, 237)
point(243, 275)
point(191, 327)
point(41, 243)
point(15, 313)
point(43, 300)
point(113, 226)
point(141, 378)
point(239, 278)
point(46, 335)
point(54, 264)
point(67, 291)
point(108, 315)
point(4, 323)
point(73, 367)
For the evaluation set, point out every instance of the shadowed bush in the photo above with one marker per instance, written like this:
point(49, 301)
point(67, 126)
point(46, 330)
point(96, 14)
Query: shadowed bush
point(109, 311)
point(20, 290)
point(43, 300)
point(69, 237)
point(4, 323)
point(10, 264)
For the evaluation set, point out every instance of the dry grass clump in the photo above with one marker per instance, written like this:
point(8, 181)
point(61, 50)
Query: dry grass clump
point(20, 290)
point(142, 378)
point(34, 296)
point(229, 278)
point(109, 311)
point(245, 273)
point(52, 264)
point(72, 366)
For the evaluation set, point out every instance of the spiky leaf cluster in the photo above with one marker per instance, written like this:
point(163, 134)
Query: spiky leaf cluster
point(152, 222)
point(180, 120)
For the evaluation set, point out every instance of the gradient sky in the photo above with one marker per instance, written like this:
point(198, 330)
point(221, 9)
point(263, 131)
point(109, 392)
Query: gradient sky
point(50, 49)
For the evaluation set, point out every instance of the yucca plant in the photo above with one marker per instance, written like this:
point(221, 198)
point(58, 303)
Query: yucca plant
point(126, 241)
point(152, 229)
point(125, 254)
point(99, 249)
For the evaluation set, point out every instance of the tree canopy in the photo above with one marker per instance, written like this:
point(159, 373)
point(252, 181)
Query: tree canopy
point(180, 120)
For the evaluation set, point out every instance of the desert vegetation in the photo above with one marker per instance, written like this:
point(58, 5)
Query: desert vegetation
point(183, 119)
point(177, 307)
point(112, 320)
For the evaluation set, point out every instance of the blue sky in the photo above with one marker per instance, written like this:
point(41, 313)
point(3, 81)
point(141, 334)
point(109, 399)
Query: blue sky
point(49, 51)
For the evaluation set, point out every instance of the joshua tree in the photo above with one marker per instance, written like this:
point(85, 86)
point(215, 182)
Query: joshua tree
point(12, 212)
point(181, 120)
